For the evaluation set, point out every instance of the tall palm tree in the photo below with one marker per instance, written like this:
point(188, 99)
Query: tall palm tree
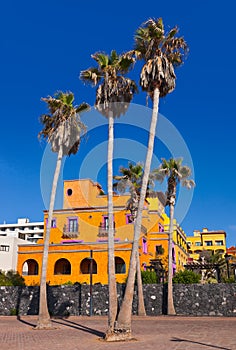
point(161, 52)
point(62, 128)
point(175, 173)
point(113, 95)
point(131, 179)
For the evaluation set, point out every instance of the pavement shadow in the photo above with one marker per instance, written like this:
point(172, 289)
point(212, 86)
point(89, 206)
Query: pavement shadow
point(200, 343)
point(25, 322)
point(68, 323)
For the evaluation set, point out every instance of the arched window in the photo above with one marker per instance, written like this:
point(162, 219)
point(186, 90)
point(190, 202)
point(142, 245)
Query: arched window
point(120, 266)
point(62, 267)
point(30, 267)
point(85, 266)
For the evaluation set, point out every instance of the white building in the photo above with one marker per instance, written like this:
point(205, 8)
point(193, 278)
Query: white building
point(23, 229)
point(8, 252)
point(12, 235)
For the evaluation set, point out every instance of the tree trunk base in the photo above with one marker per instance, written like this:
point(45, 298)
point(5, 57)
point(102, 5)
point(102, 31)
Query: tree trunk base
point(119, 335)
point(44, 324)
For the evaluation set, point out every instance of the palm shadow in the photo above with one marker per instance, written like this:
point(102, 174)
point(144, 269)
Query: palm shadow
point(200, 343)
point(80, 327)
point(66, 322)
point(25, 322)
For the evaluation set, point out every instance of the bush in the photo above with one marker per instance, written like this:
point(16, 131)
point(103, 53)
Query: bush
point(11, 278)
point(149, 277)
point(186, 277)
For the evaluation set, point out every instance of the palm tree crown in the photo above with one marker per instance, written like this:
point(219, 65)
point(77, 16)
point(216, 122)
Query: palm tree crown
point(115, 91)
point(176, 173)
point(131, 180)
point(63, 127)
point(161, 53)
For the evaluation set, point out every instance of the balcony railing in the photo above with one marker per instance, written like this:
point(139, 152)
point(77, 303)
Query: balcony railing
point(70, 232)
point(103, 229)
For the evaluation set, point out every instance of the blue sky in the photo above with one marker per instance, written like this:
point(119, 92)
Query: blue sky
point(45, 45)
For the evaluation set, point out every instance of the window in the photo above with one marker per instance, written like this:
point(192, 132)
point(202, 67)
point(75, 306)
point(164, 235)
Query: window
point(144, 244)
point(198, 244)
point(159, 249)
point(62, 267)
point(208, 243)
point(105, 222)
point(86, 264)
point(219, 243)
point(72, 225)
point(69, 192)
point(53, 223)
point(4, 248)
point(128, 219)
point(119, 265)
point(30, 268)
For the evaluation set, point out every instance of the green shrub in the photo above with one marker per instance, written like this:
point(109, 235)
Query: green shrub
point(11, 278)
point(186, 277)
point(149, 277)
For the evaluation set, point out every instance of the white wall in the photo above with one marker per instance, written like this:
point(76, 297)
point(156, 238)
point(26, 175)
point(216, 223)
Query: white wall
point(8, 259)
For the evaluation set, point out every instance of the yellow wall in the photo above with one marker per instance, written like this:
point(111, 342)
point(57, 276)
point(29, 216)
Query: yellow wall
point(74, 253)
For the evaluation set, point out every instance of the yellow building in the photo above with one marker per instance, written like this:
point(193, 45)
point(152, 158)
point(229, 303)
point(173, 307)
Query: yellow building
point(79, 234)
point(213, 241)
point(158, 236)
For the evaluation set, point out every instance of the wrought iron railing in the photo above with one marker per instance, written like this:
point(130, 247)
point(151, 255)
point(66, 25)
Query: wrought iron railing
point(70, 232)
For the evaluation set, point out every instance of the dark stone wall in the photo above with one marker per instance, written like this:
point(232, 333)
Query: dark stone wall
point(191, 299)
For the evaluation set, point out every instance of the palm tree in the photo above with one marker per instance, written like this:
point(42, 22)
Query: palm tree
point(131, 179)
point(161, 54)
point(62, 128)
point(176, 174)
point(113, 95)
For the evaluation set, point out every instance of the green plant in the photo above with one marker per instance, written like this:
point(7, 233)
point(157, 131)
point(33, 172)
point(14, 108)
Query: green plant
point(68, 283)
point(13, 312)
point(228, 280)
point(186, 277)
point(11, 278)
point(149, 277)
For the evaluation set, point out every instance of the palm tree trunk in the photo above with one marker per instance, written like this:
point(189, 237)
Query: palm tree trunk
point(111, 258)
point(124, 317)
point(141, 306)
point(170, 301)
point(44, 321)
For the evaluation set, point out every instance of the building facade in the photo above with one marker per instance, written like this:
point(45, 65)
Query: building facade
point(205, 240)
point(79, 235)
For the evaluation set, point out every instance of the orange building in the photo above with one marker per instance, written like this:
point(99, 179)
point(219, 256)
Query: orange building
point(78, 238)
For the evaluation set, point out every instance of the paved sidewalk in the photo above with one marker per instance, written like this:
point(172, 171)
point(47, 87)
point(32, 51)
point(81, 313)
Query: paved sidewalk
point(80, 333)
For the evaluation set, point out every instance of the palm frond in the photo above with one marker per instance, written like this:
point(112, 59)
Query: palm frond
point(91, 75)
point(83, 107)
point(101, 58)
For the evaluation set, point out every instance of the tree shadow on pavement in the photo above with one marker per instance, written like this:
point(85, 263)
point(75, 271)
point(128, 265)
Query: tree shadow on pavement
point(66, 322)
point(196, 342)
point(25, 322)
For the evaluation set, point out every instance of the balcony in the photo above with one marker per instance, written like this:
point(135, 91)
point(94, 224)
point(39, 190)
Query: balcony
point(103, 229)
point(70, 232)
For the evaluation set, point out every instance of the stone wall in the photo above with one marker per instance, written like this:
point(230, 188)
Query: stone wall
point(192, 299)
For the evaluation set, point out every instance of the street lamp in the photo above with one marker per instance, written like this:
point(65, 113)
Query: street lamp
point(91, 282)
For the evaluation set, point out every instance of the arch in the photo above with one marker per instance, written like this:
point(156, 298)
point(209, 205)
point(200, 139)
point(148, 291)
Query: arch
point(62, 267)
point(30, 267)
point(120, 266)
point(85, 266)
